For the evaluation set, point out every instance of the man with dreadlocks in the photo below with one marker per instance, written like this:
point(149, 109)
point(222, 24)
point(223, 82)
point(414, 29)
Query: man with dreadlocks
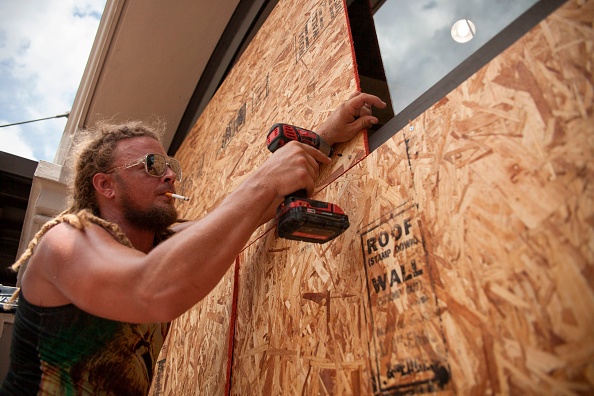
point(104, 279)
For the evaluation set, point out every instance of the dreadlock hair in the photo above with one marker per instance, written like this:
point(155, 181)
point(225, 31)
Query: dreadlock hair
point(97, 157)
point(96, 149)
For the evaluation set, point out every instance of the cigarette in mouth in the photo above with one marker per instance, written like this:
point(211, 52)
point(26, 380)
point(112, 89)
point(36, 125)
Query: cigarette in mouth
point(177, 196)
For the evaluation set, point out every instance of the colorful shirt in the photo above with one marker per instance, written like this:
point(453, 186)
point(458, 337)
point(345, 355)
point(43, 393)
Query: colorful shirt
point(66, 351)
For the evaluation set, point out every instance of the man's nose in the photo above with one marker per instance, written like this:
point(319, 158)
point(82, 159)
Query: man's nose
point(170, 175)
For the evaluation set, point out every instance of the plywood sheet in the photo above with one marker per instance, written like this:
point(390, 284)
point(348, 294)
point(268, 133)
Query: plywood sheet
point(302, 321)
point(502, 172)
point(296, 73)
point(195, 358)
point(469, 265)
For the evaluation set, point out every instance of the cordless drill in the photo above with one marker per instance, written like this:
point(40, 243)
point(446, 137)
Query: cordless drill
point(298, 217)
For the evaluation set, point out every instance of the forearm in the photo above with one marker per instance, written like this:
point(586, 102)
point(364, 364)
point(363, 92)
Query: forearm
point(193, 262)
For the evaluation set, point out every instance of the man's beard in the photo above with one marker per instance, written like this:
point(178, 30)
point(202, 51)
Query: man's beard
point(152, 218)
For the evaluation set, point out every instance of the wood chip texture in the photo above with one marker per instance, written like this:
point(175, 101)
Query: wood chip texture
point(468, 267)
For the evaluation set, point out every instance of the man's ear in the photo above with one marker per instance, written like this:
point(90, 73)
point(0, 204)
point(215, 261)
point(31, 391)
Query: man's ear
point(104, 184)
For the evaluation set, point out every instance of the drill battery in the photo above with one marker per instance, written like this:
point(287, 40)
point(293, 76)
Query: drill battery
point(304, 219)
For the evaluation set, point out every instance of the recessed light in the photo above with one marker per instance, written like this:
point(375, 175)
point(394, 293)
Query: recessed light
point(463, 30)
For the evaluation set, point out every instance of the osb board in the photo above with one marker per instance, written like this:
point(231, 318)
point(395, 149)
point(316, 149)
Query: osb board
point(195, 358)
point(297, 73)
point(491, 291)
point(503, 176)
point(303, 308)
point(298, 68)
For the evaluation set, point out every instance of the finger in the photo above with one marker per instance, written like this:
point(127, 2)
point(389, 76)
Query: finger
point(365, 122)
point(372, 100)
point(310, 188)
point(363, 99)
point(308, 157)
point(316, 155)
point(353, 94)
point(313, 169)
point(365, 110)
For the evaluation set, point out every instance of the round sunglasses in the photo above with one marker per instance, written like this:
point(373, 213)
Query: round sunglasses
point(154, 165)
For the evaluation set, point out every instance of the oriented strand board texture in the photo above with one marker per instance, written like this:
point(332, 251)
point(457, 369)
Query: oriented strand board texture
point(297, 73)
point(469, 265)
point(194, 360)
point(302, 308)
point(503, 175)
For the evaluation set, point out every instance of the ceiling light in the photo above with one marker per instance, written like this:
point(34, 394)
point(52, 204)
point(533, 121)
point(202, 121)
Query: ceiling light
point(463, 30)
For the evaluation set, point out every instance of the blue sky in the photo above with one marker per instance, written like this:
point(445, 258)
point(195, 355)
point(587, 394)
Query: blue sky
point(44, 48)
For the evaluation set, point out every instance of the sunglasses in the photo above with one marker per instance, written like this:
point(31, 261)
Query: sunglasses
point(155, 165)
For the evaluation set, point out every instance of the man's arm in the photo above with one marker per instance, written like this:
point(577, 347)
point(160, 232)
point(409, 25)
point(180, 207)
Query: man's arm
point(91, 270)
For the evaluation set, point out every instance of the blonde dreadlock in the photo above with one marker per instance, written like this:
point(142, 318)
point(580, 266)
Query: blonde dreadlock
point(96, 151)
point(96, 156)
point(79, 221)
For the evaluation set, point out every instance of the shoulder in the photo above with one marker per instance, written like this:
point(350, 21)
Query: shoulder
point(65, 236)
point(64, 242)
point(50, 255)
point(64, 252)
point(57, 240)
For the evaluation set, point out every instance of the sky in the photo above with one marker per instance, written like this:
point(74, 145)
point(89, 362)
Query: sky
point(44, 48)
point(45, 45)
point(416, 44)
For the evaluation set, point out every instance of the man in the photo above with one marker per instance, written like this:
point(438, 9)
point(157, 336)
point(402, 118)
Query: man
point(104, 279)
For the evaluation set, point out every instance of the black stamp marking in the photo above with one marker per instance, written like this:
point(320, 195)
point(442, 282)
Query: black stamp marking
point(258, 95)
point(407, 350)
point(234, 126)
point(320, 18)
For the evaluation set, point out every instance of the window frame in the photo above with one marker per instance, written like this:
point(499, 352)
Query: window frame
point(501, 41)
point(251, 14)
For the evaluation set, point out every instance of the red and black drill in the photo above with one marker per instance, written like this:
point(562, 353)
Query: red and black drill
point(298, 217)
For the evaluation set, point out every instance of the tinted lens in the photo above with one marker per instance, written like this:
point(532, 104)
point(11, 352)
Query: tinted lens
point(155, 165)
point(176, 168)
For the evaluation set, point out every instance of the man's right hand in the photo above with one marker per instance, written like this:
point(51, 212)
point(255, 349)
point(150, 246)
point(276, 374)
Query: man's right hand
point(294, 167)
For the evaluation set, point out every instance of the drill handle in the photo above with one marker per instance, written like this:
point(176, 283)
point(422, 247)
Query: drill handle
point(281, 134)
point(299, 194)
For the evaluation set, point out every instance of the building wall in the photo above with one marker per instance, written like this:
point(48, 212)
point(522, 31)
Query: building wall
point(276, 80)
point(468, 265)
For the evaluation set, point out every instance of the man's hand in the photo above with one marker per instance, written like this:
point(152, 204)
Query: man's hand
point(293, 167)
point(350, 118)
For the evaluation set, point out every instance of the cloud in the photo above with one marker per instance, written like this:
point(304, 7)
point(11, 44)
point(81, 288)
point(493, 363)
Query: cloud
point(13, 143)
point(416, 45)
point(44, 48)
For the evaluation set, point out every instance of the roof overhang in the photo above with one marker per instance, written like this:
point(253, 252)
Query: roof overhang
point(146, 62)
